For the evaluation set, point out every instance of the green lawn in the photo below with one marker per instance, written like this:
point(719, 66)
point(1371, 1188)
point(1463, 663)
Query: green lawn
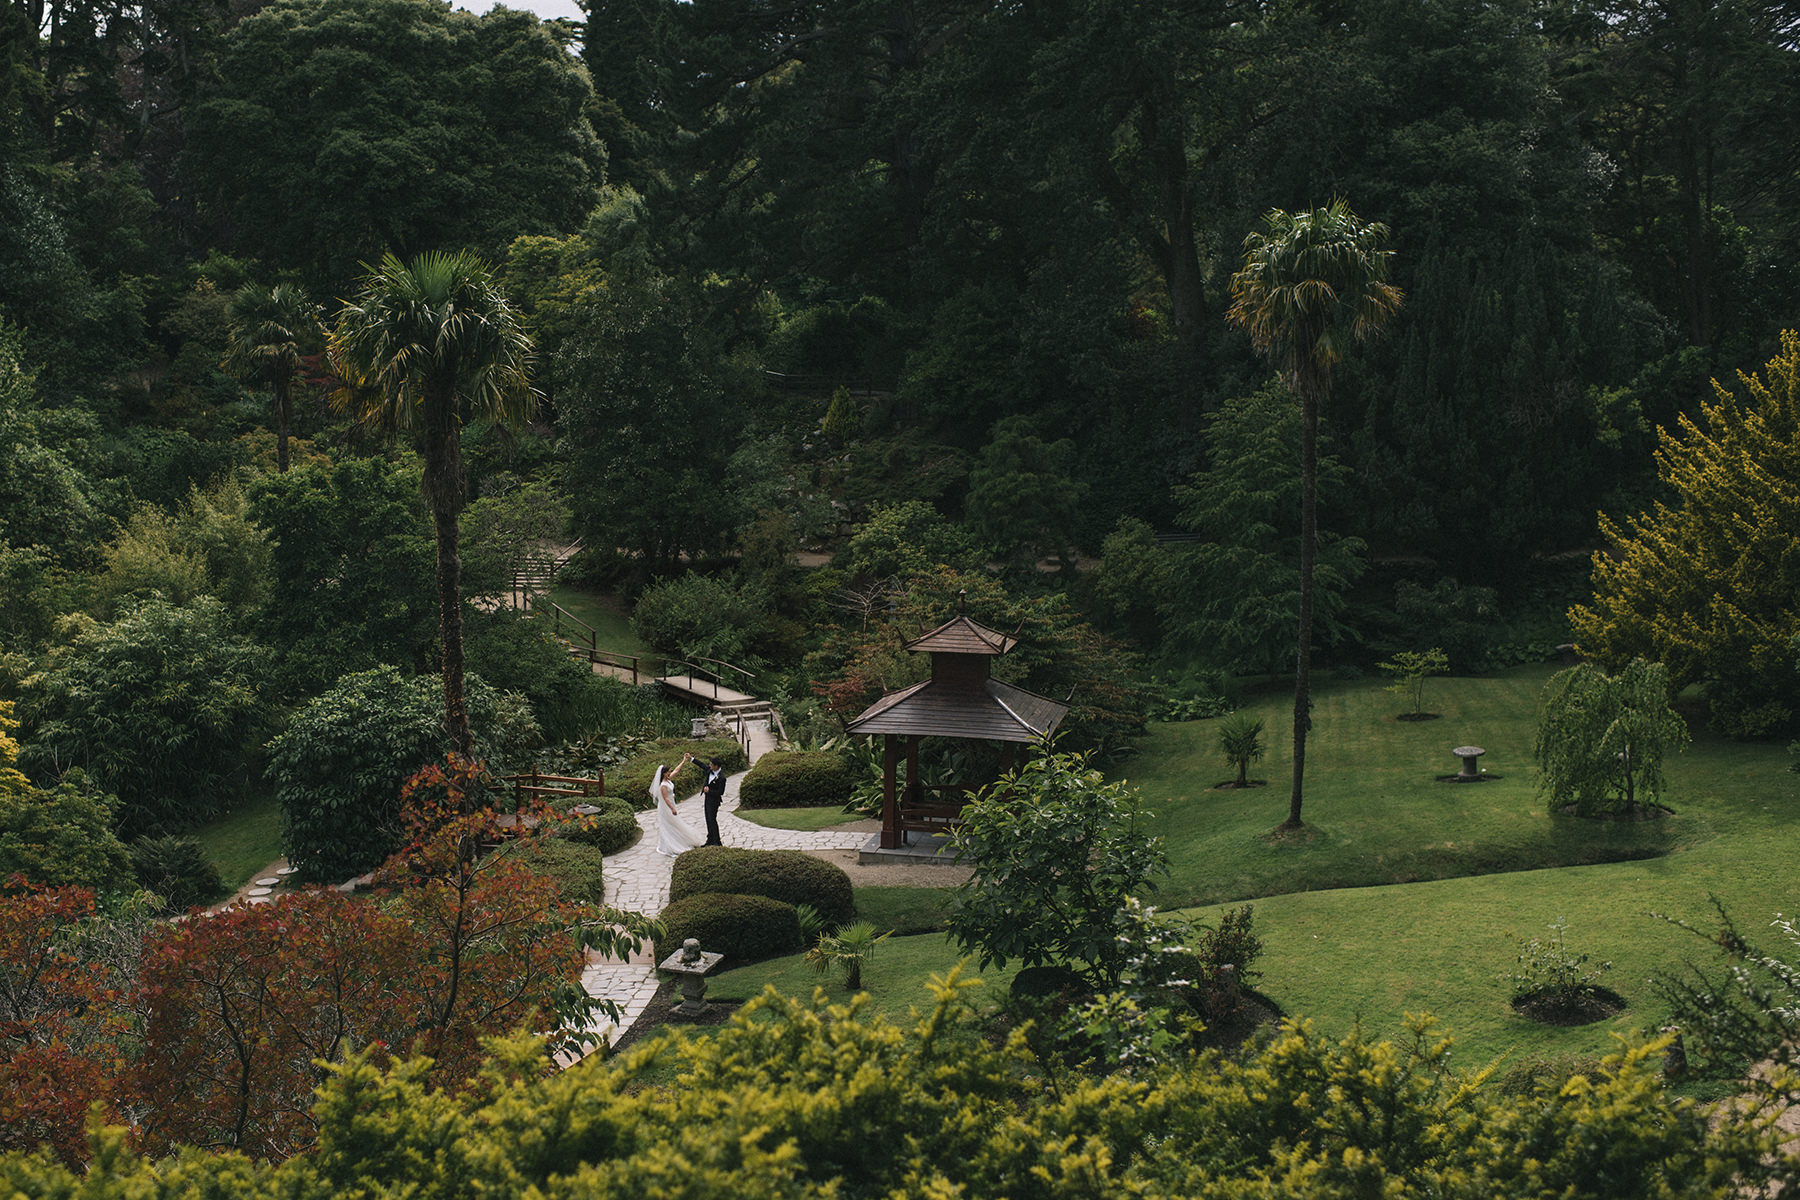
point(1403, 894)
point(611, 624)
point(1375, 809)
point(806, 819)
point(896, 979)
point(244, 841)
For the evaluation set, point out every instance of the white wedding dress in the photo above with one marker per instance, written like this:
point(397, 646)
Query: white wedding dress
point(673, 835)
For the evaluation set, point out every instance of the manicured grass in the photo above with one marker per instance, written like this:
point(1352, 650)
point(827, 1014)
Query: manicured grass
point(904, 910)
point(1403, 893)
point(1378, 953)
point(896, 979)
point(244, 841)
point(1375, 810)
point(807, 819)
point(611, 624)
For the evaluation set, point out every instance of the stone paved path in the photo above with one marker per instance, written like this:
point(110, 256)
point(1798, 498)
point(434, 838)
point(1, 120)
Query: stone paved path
point(637, 878)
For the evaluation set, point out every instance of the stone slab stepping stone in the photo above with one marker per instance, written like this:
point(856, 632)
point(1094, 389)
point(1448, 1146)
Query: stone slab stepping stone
point(287, 871)
point(259, 900)
point(257, 893)
point(268, 881)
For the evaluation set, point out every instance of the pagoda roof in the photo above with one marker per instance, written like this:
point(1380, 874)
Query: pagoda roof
point(999, 712)
point(960, 635)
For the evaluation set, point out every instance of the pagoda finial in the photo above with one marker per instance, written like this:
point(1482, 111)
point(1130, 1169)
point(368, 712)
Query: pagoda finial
point(962, 601)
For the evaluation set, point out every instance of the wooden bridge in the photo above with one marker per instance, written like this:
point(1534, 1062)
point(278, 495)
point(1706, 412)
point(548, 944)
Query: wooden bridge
point(703, 680)
point(712, 682)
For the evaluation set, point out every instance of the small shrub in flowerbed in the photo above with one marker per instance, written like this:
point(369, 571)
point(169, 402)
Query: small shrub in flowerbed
point(575, 867)
point(743, 928)
point(630, 781)
point(1555, 985)
point(790, 876)
point(798, 779)
point(609, 831)
point(177, 870)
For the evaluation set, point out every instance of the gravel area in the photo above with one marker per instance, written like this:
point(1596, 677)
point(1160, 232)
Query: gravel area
point(892, 874)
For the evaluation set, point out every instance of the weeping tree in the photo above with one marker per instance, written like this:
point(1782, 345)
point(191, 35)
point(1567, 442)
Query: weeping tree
point(1312, 286)
point(272, 328)
point(1601, 738)
point(426, 347)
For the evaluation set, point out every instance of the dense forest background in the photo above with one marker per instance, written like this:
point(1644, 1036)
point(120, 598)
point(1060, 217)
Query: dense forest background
point(937, 285)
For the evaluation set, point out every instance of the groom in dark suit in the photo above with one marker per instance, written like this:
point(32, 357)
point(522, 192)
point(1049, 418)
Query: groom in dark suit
point(715, 792)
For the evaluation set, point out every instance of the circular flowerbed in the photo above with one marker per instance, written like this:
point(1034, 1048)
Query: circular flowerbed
point(1561, 1006)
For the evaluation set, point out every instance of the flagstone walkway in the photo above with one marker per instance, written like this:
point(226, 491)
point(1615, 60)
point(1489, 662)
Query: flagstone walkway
point(637, 879)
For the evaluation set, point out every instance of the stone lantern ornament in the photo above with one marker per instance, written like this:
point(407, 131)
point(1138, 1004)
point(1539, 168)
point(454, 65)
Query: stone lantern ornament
point(692, 965)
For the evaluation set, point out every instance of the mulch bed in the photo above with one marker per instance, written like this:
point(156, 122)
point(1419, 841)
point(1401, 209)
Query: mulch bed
point(1232, 785)
point(1637, 812)
point(1253, 1012)
point(1417, 717)
point(1552, 1008)
point(661, 1011)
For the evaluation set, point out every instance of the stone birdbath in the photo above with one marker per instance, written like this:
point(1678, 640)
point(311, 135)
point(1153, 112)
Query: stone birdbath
point(692, 964)
point(1469, 754)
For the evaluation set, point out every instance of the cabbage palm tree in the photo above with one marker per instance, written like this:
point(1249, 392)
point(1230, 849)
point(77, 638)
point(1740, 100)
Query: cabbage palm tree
point(1311, 286)
point(425, 347)
point(270, 329)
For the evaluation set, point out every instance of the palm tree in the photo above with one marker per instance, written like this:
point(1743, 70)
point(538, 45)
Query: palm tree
point(270, 329)
point(426, 346)
point(1310, 288)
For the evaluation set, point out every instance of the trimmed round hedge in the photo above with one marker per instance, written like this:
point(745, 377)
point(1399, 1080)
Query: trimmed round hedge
point(790, 876)
point(630, 781)
point(609, 831)
point(797, 779)
point(742, 928)
point(576, 868)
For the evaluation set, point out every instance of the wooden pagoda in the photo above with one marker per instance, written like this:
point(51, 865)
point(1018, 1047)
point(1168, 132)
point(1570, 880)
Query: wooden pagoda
point(960, 700)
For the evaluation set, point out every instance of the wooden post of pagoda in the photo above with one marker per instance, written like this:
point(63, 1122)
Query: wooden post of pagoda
point(891, 838)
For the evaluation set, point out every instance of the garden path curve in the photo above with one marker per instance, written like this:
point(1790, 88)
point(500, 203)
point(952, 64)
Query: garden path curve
point(637, 879)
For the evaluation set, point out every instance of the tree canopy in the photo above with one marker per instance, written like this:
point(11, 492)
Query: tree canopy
point(1709, 584)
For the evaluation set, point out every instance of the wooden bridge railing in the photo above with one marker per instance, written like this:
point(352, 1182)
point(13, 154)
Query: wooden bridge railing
point(695, 671)
point(583, 639)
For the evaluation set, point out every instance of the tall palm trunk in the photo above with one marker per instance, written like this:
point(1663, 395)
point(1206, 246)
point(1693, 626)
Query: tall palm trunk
point(444, 494)
point(283, 405)
point(1309, 538)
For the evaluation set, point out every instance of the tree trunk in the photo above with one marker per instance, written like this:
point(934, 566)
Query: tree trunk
point(444, 494)
point(1309, 536)
point(283, 406)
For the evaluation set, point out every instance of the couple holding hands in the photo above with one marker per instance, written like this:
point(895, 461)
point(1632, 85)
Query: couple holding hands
point(673, 835)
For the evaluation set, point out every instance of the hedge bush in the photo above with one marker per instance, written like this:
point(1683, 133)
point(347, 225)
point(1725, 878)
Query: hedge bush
point(743, 928)
point(177, 870)
point(797, 779)
point(790, 876)
point(575, 867)
point(609, 831)
point(630, 780)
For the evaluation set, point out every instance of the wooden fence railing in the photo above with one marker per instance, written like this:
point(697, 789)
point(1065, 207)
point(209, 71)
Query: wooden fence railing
point(582, 640)
point(536, 785)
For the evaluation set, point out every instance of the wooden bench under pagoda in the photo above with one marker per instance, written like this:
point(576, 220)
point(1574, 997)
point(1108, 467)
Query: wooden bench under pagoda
point(960, 700)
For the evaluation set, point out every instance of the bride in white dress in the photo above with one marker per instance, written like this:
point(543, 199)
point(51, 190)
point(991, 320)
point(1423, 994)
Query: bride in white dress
point(673, 835)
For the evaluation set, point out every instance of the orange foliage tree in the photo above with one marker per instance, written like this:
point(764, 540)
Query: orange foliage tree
point(62, 1017)
point(454, 945)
